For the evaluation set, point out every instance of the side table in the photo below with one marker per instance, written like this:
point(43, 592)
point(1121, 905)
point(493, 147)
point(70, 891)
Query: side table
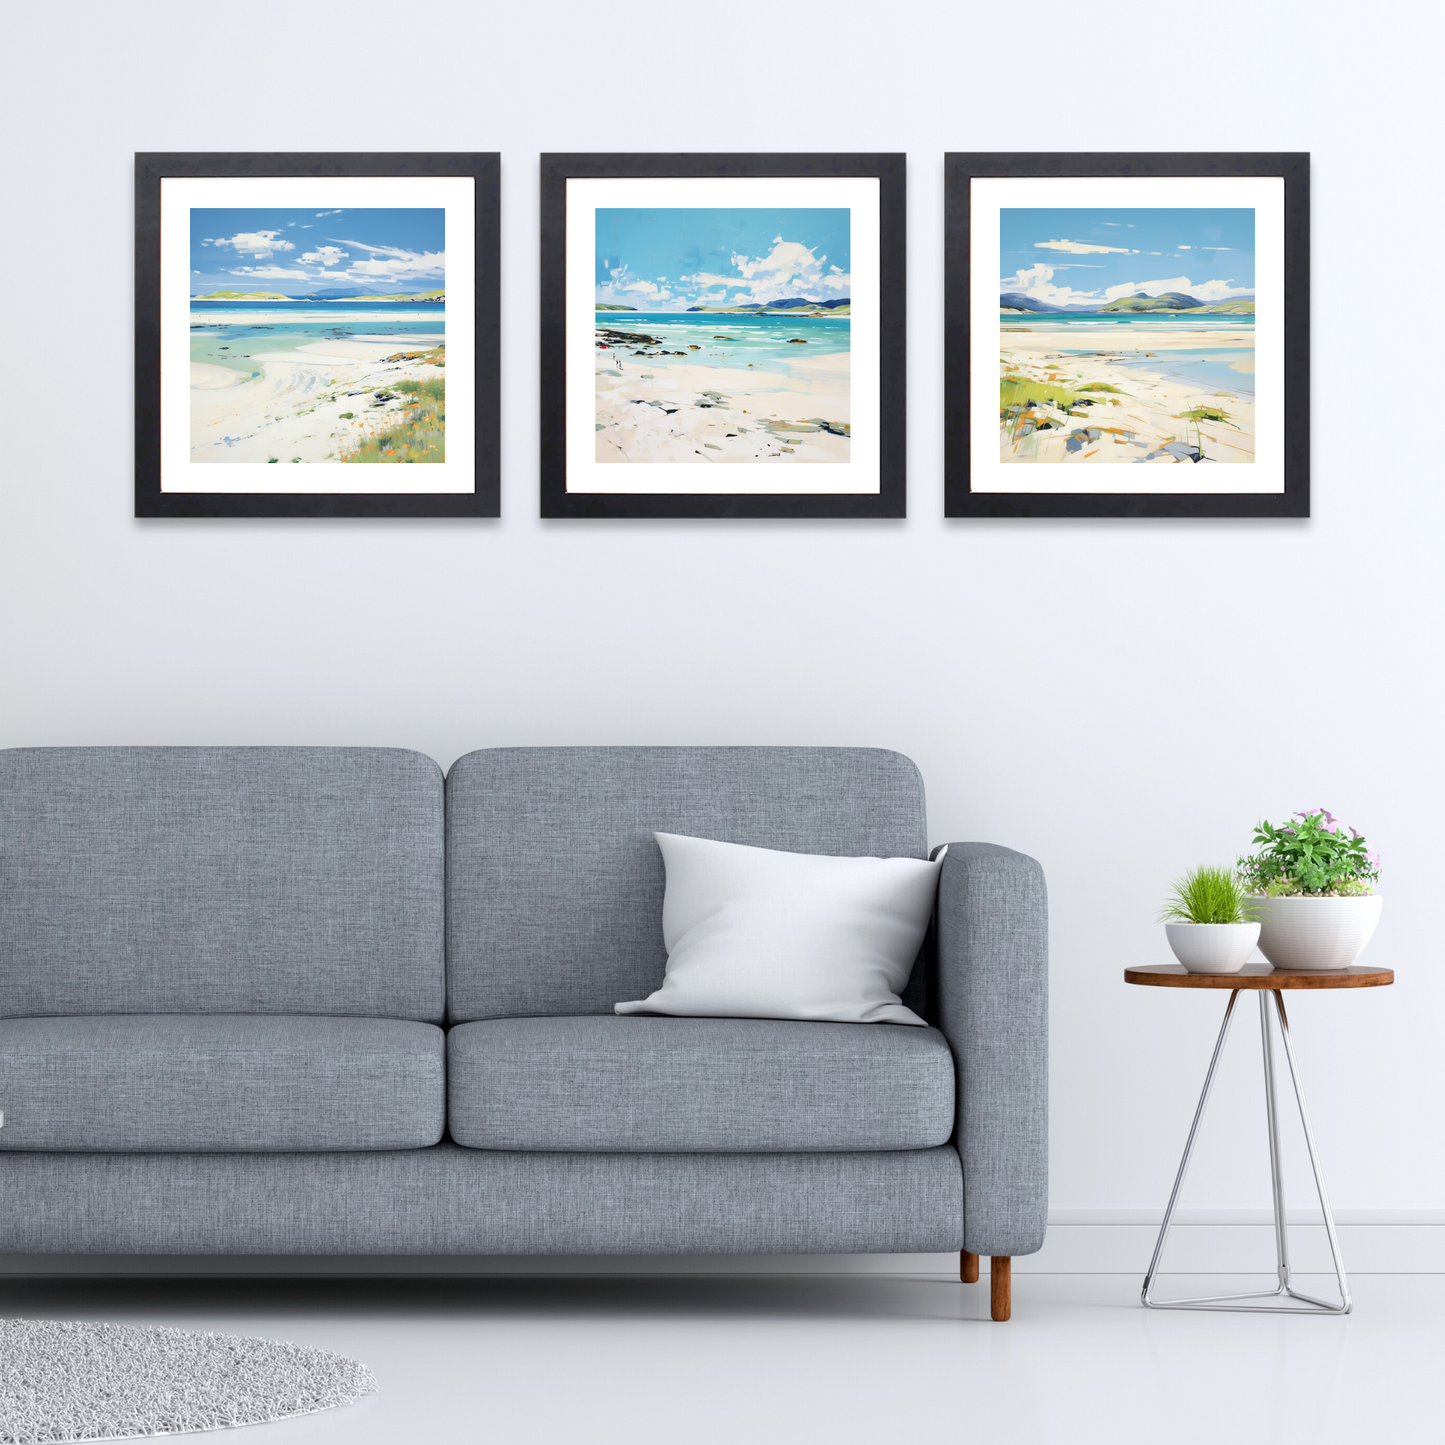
point(1269, 983)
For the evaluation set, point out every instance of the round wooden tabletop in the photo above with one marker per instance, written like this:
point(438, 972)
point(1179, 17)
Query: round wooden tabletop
point(1261, 975)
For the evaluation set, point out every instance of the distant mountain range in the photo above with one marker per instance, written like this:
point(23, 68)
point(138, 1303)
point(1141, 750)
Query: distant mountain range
point(1017, 301)
point(1139, 301)
point(359, 293)
point(330, 293)
point(794, 306)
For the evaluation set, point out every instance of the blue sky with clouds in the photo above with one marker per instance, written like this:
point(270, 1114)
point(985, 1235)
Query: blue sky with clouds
point(673, 258)
point(1073, 256)
point(397, 250)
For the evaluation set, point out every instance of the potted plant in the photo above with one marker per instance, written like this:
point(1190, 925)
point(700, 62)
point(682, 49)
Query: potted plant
point(1314, 891)
point(1209, 922)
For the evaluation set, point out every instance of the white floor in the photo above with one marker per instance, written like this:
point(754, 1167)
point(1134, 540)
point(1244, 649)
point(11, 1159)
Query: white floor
point(751, 1361)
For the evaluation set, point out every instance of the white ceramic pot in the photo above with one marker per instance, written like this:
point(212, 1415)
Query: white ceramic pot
point(1212, 947)
point(1316, 933)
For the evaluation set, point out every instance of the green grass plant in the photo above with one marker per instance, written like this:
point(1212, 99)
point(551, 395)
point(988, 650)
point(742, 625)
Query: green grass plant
point(1208, 895)
point(419, 432)
point(1019, 391)
point(1201, 413)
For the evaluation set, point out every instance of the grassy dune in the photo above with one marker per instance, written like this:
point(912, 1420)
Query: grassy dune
point(419, 435)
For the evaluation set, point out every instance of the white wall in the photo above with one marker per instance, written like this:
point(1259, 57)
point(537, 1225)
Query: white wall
point(1120, 699)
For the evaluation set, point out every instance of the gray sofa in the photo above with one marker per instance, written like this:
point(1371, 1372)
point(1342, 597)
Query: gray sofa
point(319, 1001)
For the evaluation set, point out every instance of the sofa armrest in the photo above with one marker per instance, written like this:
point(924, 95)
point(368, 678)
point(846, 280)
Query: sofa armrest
point(992, 1004)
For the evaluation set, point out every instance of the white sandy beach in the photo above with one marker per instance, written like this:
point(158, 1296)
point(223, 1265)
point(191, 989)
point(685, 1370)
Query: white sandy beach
point(648, 411)
point(294, 410)
point(1144, 421)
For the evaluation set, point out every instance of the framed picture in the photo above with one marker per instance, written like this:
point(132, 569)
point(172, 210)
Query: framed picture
point(723, 336)
point(1127, 336)
point(316, 335)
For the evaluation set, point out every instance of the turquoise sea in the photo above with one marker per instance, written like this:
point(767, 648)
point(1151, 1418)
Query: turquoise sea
point(1102, 331)
point(1135, 320)
point(725, 341)
point(230, 333)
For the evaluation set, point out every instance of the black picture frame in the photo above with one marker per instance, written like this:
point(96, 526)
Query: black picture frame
point(960, 170)
point(151, 501)
point(891, 498)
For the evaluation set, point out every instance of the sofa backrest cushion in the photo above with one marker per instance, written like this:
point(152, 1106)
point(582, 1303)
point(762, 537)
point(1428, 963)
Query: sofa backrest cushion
point(221, 880)
point(555, 882)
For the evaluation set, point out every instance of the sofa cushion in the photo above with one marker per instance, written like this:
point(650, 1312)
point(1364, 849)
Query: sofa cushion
point(755, 933)
point(713, 1085)
point(221, 880)
point(228, 1082)
point(555, 882)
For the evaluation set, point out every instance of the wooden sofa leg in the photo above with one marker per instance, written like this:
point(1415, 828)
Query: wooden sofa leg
point(1000, 1295)
point(968, 1267)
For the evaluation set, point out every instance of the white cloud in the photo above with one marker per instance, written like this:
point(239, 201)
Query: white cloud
point(1080, 248)
point(789, 269)
point(389, 263)
point(270, 273)
point(706, 278)
point(1217, 248)
point(1207, 291)
point(1184, 248)
point(259, 244)
point(1037, 282)
point(625, 289)
point(324, 256)
point(319, 214)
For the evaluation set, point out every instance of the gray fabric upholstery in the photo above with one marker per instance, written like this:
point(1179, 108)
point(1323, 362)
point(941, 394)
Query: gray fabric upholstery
point(220, 1082)
point(221, 880)
point(642, 1084)
point(555, 883)
point(447, 1200)
point(992, 1003)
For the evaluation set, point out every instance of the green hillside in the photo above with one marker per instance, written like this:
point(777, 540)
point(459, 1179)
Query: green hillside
point(754, 311)
point(1226, 308)
point(1165, 301)
point(439, 295)
point(606, 306)
point(242, 296)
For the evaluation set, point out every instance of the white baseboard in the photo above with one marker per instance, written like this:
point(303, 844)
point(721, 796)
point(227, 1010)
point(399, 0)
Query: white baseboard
point(1237, 1247)
point(1079, 1242)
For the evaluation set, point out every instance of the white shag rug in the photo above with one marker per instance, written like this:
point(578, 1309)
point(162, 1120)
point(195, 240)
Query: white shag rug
point(64, 1380)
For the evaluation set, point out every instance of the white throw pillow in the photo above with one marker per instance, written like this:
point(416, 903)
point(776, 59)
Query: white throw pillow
point(754, 933)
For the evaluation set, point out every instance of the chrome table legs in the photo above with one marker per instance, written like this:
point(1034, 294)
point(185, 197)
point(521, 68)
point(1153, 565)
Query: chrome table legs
point(1283, 1289)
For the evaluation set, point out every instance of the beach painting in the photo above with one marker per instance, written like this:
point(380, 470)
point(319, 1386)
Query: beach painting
point(723, 335)
point(1126, 336)
point(318, 336)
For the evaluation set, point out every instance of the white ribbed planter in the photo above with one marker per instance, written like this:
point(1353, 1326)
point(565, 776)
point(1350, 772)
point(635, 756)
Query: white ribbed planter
point(1212, 947)
point(1316, 933)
